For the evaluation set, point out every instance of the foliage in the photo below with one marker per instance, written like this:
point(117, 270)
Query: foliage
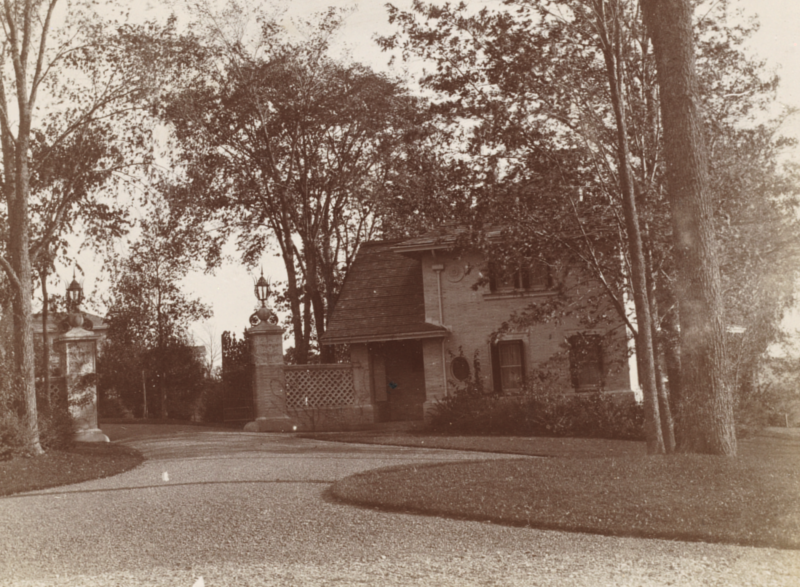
point(771, 395)
point(55, 424)
point(595, 415)
point(173, 374)
point(528, 85)
point(148, 318)
point(12, 435)
point(210, 403)
point(71, 84)
point(290, 150)
point(237, 373)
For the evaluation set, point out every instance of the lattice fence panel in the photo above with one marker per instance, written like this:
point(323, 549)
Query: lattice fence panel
point(319, 388)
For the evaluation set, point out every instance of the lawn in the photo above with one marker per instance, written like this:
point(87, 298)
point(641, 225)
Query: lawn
point(82, 462)
point(753, 499)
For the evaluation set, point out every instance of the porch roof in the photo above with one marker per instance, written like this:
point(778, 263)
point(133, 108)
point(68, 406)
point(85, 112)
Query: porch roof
point(381, 299)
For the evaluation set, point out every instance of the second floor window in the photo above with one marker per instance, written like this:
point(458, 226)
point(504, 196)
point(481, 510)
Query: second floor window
point(534, 276)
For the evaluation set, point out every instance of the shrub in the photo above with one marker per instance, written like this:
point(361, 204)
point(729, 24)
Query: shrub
point(12, 435)
point(595, 415)
point(110, 405)
point(56, 432)
point(56, 429)
point(209, 406)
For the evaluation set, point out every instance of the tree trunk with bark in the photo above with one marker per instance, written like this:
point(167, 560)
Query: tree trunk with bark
point(45, 341)
point(707, 408)
point(608, 27)
point(19, 253)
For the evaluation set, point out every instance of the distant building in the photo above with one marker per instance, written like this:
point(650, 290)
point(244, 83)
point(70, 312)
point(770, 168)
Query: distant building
point(57, 325)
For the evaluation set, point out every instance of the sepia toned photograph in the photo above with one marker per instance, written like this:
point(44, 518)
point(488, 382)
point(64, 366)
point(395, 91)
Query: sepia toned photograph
point(408, 293)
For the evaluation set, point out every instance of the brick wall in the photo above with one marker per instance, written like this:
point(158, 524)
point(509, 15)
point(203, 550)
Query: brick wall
point(473, 315)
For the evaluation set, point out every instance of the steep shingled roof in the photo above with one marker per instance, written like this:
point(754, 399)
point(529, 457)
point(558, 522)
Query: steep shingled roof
point(381, 299)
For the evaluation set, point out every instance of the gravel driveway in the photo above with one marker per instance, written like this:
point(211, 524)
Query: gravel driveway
point(242, 509)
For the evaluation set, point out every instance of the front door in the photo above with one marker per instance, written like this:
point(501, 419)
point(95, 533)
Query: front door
point(398, 376)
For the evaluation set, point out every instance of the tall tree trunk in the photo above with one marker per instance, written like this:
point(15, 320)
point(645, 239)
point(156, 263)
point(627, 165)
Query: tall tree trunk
point(19, 252)
point(664, 408)
point(45, 340)
point(293, 292)
point(611, 47)
point(672, 361)
point(161, 389)
point(300, 346)
point(316, 301)
point(707, 406)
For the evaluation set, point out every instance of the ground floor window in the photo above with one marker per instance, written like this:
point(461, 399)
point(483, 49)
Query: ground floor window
point(508, 365)
point(586, 362)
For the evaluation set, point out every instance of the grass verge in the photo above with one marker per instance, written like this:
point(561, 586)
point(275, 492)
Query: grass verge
point(753, 499)
point(83, 462)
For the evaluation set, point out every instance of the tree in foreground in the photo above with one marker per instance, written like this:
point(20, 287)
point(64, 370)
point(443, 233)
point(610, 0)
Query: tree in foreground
point(707, 409)
point(554, 89)
point(67, 77)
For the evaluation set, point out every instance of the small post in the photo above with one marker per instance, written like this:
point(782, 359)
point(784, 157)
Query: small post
point(144, 395)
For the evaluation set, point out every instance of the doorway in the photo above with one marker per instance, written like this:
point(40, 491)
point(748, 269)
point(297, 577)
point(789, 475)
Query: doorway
point(398, 380)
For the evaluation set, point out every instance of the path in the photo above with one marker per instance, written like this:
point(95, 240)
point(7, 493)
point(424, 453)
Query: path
point(244, 509)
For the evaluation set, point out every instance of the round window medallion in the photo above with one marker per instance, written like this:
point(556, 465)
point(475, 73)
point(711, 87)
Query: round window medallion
point(460, 368)
point(455, 272)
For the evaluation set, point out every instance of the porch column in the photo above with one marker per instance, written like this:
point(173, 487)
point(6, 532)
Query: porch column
point(433, 352)
point(77, 350)
point(269, 389)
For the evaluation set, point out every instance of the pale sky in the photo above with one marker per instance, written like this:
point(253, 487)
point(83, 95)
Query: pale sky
point(230, 290)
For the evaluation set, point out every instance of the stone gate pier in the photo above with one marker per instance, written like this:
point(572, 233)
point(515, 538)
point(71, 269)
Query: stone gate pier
point(77, 350)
